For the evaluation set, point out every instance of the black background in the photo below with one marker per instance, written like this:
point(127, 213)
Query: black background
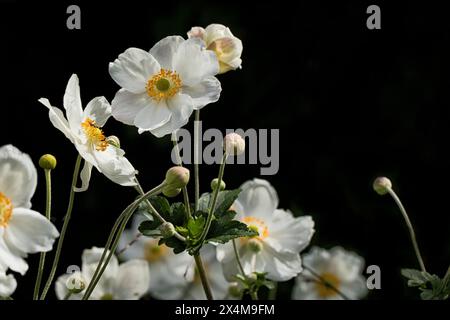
point(351, 104)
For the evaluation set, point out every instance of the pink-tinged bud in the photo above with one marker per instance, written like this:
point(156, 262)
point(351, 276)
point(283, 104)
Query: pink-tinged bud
point(382, 185)
point(234, 144)
point(177, 177)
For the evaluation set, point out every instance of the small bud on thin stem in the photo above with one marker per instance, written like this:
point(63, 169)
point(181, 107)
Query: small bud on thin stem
point(215, 184)
point(47, 162)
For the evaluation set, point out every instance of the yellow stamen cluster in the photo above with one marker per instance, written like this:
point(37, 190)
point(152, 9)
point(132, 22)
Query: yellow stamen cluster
point(257, 225)
point(154, 252)
point(94, 134)
point(325, 290)
point(163, 85)
point(6, 208)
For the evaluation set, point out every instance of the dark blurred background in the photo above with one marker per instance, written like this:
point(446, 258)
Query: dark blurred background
point(351, 104)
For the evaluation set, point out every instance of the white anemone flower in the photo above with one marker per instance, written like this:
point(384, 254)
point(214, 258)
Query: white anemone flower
point(340, 269)
point(282, 236)
point(223, 43)
point(8, 284)
point(174, 276)
point(22, 230)
point(83, 129)
point(162, 87)
point(127, 281)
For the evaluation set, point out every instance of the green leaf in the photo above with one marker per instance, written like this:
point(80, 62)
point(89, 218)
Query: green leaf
point(416, 278)
point(178, 246)
point(162, 206)
point(223, 231)
point(195, 226)
point(225, 200)
point(178, 214)
point(203, 202)
point(148, 228)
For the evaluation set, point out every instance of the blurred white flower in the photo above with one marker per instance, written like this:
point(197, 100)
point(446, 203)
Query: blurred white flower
point(162, 87)
point(83, 129)
point(22, 230)
point(128, 281)
point(281, 236)
point(8, 284)
point(339, 268)
point(174, 276)
point(225, 45)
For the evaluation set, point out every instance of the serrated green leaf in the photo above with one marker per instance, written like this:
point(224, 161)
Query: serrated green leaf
point(162, 206)
point(225, 200)
point(148, 228)
point(195, 226)
point(222, 232)
point(178, 214)
point(203, 202)
point(178, 246)
point(415, 277)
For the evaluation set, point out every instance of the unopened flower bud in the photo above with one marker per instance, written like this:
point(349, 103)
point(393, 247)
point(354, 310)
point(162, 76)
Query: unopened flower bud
point(177, 177)
point(234, 290)
point(381, 185)
point(167, 230)
point(76, 283)
point(171, 192)
point(254, 245)
point(234, 144)
point(48, 162)
point(215, 182)
point(114, 141)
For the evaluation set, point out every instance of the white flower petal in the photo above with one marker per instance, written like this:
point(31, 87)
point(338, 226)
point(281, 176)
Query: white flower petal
point(153, 116)
point(18, 176)
point(193, 63)
point(258, 199)
point(281, 266)
point(355, 289)
point(58, 120)
point(197, 32)
point(216, 31)
point(8, 284)
point(181, 108)
point(126, 105)
point(115, 166)
point(90, 259)
point(346, 264)
point(85, 176)
point(164, 50)
point(205, 92)
point(99, 110)
point(9, 258)
point(30, 232)
point(132, 281)
point(132, 69)
point(72, 102)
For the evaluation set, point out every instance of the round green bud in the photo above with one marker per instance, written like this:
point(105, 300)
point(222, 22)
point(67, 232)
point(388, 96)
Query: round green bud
point(171, 192)
point(234, 290)
point(47, 162)
point(215, 182)
point(167, 230)
point(113, 141)
point(177, 177)
point(254, 245)
point(76, 283)
point(382, 185)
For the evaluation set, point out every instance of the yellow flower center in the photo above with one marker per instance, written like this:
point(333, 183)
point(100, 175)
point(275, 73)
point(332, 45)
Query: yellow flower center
point(154, 252)
point(6, 208)
point(325, 290)
point(94, 135)
point(163, 85)
point(257, 225)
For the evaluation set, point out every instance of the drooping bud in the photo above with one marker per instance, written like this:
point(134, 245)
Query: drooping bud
point(234, 144)
point(76, 283)
point(215, 184)
point(382, 185)
point(254, 245)
point(177, 177)
point(167, 230)
point(114, 141)
point(171, 192)
point(47, 162)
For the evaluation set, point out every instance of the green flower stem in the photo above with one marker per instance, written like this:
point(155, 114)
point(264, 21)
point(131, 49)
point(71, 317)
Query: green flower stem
point(214, 200)
point(180, 163)
point(254, 295)
point(325, 282)
point(76, 172)
point(48, 207)
point(115, 234)
point(196, 159)
point(238, 258)
point(203, 277)
point(410, 227)
point(273, 292)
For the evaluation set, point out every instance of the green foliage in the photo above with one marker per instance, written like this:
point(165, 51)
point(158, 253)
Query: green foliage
point(253, 283)
point(431, 286)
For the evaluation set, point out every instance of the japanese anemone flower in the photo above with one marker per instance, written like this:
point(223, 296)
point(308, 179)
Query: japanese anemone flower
point(22, 230)
point(162, 87)
point(339, 268)
point(127, 281)
point(282, 236)
point(83, 129)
